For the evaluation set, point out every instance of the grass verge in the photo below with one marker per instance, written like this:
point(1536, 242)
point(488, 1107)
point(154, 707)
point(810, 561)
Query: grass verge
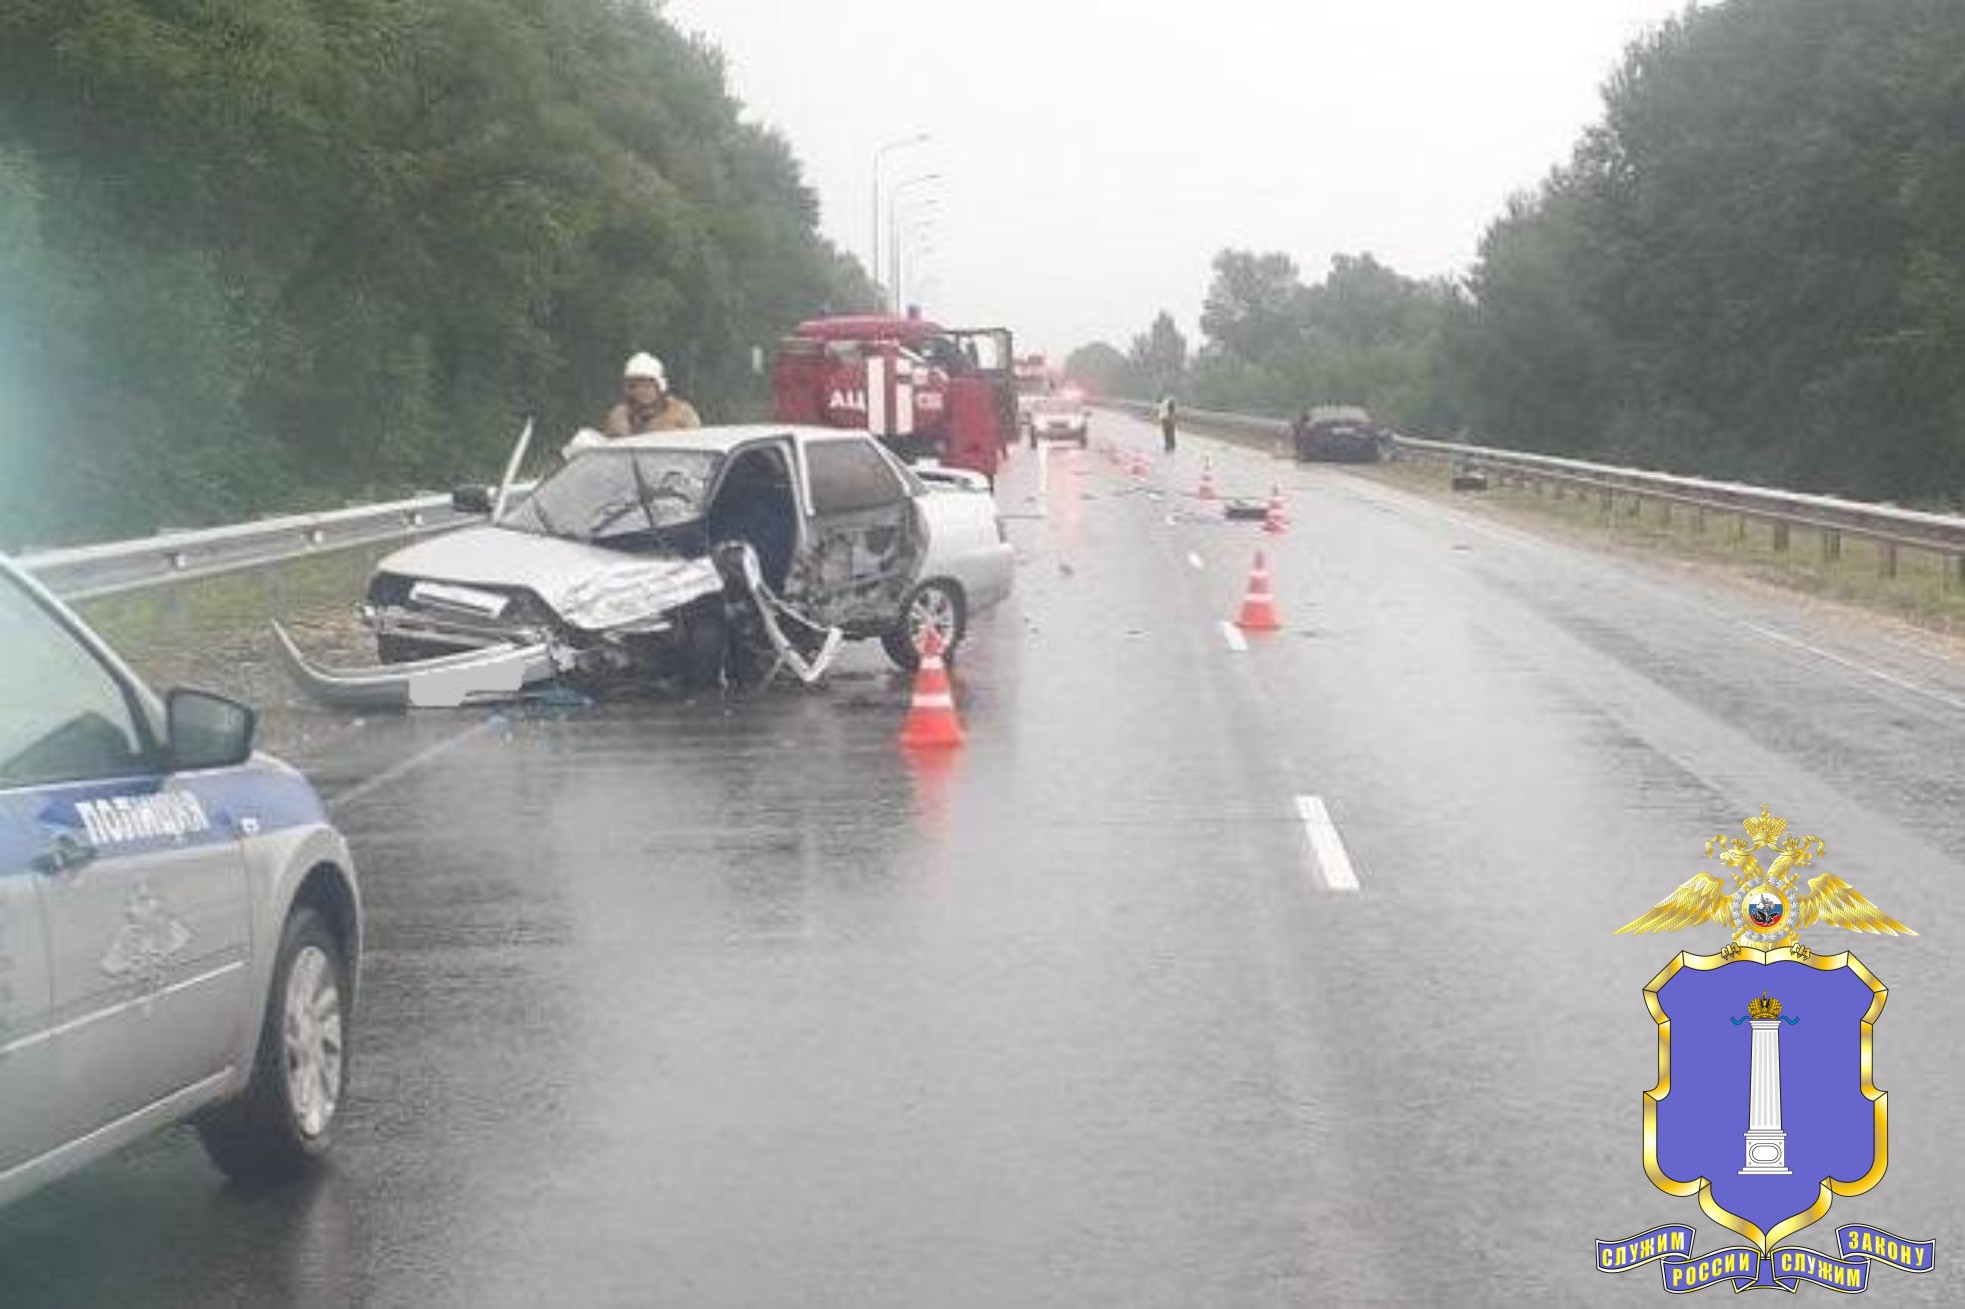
point(1927, 589)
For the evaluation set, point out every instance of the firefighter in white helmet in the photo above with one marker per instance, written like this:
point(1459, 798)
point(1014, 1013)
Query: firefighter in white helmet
point(646, 405)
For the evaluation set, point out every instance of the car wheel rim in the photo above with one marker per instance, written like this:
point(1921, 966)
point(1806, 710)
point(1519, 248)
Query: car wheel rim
point(312, 1041)
point(933, 610)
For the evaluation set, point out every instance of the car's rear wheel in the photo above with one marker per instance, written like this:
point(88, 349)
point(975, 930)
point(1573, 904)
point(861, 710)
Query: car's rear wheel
point(935, 607)
point(284, 1119)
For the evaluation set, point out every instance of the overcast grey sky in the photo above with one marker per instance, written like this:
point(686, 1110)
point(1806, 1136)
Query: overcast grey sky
point(1094, 155)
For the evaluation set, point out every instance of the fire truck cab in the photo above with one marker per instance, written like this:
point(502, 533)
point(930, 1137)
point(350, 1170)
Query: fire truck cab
point(928, 391)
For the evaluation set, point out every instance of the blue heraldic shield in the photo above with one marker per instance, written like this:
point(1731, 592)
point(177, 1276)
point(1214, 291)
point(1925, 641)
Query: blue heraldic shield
point(1765, 1106)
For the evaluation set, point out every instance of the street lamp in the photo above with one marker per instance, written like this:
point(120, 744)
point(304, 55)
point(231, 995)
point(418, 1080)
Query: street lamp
point(873, 218)
point(911, 239)
point(894, 195)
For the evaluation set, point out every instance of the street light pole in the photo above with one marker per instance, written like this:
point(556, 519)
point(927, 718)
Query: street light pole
point(908, 245)
point(908, 221)
point(873, 216)
point(894, 195)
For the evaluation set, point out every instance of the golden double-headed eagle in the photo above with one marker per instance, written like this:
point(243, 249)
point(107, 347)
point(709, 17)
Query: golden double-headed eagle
point(1764, 908)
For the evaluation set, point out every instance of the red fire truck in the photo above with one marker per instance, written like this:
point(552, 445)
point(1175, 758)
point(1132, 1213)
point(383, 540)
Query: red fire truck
point(928, 391)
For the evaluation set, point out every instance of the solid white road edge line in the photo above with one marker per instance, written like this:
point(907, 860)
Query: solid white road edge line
point(1325, 844)
point(1233, 636)
point(1853, 666)
point(415, 761)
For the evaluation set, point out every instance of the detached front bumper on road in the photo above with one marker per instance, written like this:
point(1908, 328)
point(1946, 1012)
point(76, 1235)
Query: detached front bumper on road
point(496, 672)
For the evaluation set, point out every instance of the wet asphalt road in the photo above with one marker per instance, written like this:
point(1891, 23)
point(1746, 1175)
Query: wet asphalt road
point(733, 1004)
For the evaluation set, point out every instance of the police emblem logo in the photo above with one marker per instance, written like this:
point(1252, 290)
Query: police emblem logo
point(1765, 1108)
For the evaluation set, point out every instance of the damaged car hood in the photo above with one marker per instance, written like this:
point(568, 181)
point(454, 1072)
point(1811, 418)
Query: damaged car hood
point(576, 580)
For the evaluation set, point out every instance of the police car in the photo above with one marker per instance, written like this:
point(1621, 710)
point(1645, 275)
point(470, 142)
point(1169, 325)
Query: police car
point(180, 926)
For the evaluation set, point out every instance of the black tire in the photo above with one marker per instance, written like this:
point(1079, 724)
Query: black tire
point(705, 639)
point(900, 643)
point(259, 1137)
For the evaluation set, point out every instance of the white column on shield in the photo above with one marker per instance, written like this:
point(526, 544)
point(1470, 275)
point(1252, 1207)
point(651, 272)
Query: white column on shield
point(1766, 1142)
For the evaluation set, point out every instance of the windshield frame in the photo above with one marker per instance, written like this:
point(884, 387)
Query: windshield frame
point(576, 503)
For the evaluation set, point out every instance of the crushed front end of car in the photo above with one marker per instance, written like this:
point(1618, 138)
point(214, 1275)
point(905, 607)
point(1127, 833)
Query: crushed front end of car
point(678, 623)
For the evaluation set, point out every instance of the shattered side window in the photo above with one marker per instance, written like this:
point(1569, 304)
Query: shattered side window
point(850, 476)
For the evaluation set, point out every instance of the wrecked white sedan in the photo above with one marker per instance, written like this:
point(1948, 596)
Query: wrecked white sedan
point(715, 555)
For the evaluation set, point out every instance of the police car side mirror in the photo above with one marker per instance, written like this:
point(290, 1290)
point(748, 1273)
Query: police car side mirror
point(471, 499)
point(207, 731)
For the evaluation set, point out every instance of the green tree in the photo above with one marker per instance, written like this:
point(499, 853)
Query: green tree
point(1102, 369)
point(265, 254)
point(1159, 356)
point(1752, 266)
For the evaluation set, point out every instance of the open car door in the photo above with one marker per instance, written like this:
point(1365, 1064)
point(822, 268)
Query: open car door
point(863, 542)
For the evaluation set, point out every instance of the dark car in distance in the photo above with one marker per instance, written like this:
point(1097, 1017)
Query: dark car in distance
point(1339, 434)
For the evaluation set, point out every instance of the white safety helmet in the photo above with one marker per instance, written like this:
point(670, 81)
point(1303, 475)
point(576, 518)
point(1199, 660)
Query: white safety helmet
point(648, 366)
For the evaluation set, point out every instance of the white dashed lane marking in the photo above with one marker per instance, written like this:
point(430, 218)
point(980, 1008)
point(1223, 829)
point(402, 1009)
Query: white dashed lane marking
point(1326, 846)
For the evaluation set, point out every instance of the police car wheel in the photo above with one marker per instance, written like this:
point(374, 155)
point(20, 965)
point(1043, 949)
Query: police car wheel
point(933, 605)
point(284, 1119)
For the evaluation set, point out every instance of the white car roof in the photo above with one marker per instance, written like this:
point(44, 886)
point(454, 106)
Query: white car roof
point(722, 440)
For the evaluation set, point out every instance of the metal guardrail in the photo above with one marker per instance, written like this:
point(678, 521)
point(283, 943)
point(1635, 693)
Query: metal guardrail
point(1888, 526)
point(85, 572)
point(89, 571)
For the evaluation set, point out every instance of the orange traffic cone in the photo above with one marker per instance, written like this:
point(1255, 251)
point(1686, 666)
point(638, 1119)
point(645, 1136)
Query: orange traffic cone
point(1274, 520)
point(1258, 606)
point(1207, 479)
point(931, 721)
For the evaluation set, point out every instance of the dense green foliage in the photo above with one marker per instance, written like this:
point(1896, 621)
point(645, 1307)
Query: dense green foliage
point(1156, 365)
point(1364, 335)
point(269, 253)
point(1159, 355)
point(1102, 369)
point(1754, 267)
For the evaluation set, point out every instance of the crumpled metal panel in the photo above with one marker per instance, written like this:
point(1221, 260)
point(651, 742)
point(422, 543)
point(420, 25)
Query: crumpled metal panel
point(633, 594)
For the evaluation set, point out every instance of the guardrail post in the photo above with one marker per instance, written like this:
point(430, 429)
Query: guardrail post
point(1831, 545)
point(1958, 568)
point(1607, 502)
point(1780, 535)
point(1886, 558)
point(1698, 520)
point(1665, 513)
